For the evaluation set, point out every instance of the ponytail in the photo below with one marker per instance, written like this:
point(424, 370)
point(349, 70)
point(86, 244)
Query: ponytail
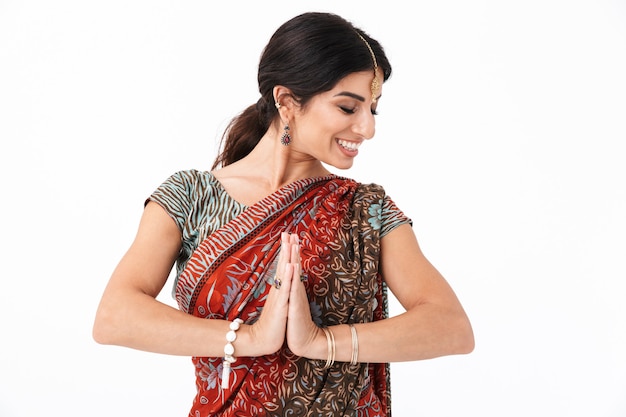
point(244, 132)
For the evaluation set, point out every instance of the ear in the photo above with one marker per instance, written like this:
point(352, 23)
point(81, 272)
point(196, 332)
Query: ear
point(285, 100)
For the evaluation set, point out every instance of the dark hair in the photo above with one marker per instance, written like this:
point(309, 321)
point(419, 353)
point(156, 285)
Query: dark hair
point(308, 54)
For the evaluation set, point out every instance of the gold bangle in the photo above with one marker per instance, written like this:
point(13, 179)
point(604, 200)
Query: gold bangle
point(355, 346)
point(330, 340)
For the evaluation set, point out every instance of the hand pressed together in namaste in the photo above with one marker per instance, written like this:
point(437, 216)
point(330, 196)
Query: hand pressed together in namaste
point(286, 314)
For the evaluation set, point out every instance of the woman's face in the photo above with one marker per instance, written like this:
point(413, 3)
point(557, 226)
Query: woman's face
point(333, 124)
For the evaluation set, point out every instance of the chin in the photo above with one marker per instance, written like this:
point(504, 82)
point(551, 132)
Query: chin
point(343, 165)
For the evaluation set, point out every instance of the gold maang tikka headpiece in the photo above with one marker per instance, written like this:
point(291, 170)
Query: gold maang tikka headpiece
point(375, 83)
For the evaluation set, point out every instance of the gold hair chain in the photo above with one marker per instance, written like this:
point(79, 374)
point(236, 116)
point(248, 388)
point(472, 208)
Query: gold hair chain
point(375, 83)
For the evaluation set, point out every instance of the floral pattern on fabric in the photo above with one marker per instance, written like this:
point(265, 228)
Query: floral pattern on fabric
point(339, 224)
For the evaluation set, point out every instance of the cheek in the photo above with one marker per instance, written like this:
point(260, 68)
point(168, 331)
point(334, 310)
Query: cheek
point(319, 122)
point(331, 121)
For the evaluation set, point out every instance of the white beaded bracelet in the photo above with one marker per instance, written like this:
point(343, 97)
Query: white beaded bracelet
point(229, 351)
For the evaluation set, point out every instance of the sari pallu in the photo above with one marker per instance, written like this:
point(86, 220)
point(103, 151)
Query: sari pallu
point(226, 278)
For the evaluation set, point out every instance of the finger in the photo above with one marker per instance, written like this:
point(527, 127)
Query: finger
point(284, 255)
point(298, 299)
point(286, 244)
point(297, 268)
point(287, 281)
point(295, 253)
point(301, 330)
point(278, 296)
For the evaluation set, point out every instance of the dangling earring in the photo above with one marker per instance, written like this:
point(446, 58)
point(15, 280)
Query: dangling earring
point(285, 139)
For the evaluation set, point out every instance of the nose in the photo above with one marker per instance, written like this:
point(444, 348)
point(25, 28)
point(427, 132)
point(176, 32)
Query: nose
point(365, 126)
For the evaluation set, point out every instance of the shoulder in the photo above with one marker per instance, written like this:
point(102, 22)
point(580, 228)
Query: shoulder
point(191, 177)
point(371, 193)
point(383, 213)
point(370, 188)
point(361, 190)
point(178, 192)
point(190, 182)
point(192, 196)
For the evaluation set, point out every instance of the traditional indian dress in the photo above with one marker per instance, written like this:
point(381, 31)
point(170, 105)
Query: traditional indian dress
point(229, 251)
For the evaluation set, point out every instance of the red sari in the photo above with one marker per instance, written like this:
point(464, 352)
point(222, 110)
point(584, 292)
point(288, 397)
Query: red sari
point(339, 223)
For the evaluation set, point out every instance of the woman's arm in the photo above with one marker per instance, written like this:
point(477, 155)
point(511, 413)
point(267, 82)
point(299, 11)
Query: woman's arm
point(433, 325)
point(129, 314)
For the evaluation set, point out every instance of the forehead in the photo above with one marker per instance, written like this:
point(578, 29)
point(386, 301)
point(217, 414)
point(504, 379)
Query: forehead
point(357, 79)
point(360, 83)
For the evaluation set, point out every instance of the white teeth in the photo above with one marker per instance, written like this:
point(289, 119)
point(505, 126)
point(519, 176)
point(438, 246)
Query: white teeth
point(353, 146)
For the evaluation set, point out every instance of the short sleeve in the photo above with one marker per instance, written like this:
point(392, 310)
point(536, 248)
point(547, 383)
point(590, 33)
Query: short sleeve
point(175, 195)
point(381, 211)
point(391, 216)
point(198, 204)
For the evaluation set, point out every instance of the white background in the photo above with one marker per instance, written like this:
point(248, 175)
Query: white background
point(500, 134)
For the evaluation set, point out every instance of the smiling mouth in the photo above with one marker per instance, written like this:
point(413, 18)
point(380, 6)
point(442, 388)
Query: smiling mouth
point(351, 146)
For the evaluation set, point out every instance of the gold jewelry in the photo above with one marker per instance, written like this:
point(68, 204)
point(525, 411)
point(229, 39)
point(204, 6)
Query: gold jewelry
point(375, 83)
point(355, 346)
point(330, 340)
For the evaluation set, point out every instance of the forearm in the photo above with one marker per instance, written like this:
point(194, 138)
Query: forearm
point(428, 331)
point(140, 322)
point(425, 332)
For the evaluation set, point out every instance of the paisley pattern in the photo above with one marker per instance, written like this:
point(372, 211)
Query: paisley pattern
point(340, 223)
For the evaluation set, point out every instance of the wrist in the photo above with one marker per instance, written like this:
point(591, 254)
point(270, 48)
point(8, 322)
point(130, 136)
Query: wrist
point(229, 351)
point(257, 342)
point(338, 343)
point(331, 347)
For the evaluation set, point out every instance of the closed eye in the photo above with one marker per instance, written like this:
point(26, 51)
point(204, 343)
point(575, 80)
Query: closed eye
point(347, 110)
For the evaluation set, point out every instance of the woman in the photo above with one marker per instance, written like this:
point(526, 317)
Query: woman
point(282, 266)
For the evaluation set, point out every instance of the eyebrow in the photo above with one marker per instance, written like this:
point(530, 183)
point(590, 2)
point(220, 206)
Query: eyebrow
point(354, 96)
point(349, 94)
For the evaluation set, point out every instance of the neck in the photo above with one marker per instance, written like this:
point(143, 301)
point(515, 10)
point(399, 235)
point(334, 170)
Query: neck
point(273, 165)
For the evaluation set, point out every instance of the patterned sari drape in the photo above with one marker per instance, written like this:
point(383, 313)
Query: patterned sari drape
point(226, 278)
